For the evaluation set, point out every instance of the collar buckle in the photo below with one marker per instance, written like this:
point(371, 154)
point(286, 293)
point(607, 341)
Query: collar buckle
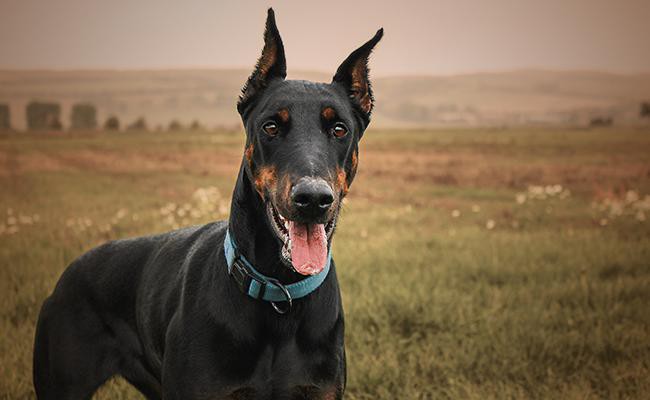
point(243, 277)
point(240, 274)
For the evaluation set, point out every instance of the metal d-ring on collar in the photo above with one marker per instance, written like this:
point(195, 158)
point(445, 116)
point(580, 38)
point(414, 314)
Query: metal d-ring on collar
point(262, 287)
point(289, 301)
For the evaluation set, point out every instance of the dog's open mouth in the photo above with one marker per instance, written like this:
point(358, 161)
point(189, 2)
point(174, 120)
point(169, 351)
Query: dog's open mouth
point(304, 246)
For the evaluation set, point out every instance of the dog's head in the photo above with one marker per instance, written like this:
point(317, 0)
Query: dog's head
point(302, 146)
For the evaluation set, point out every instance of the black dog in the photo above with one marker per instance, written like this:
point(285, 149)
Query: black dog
point(167, 312)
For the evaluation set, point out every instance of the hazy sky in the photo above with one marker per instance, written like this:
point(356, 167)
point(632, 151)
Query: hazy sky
point(422, 37)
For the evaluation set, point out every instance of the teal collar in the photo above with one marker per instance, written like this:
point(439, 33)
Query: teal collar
point(262, 287)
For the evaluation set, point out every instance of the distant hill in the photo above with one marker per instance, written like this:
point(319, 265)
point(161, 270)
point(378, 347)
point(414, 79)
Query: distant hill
point(492, 99)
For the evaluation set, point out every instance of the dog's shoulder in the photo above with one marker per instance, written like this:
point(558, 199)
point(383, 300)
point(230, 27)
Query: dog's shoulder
point(127, 258)
point(185, 243)
point(143, 246)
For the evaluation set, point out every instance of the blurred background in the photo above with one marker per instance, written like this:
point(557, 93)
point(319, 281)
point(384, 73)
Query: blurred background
point(495, 243)
point(441, 63)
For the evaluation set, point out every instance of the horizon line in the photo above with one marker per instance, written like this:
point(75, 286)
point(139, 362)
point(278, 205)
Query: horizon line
point(315, 71)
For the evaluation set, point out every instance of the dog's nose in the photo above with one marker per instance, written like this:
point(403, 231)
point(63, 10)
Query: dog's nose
point(312, 197)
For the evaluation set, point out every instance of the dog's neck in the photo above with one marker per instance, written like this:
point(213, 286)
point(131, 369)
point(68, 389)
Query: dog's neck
point(255, 239)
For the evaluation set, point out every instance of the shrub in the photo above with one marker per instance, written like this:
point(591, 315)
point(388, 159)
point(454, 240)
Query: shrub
point(139, 124)
point(84, 116)
point(601, 121)
point(175, 126)
point(112, 123)
point(645, 110)
point(42, 116)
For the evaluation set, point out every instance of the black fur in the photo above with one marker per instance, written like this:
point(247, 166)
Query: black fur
point(162, 310)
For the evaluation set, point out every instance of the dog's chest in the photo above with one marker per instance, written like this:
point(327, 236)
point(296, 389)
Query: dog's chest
point(262, 361)
point(292, 368)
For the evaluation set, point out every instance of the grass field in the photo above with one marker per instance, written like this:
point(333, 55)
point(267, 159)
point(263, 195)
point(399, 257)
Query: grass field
point(473, 263)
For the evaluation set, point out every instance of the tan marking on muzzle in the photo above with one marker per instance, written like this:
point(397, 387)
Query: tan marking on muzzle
point(285, 184)
point(248, 153)
point(265, 180)
point(355, 161)
point(341, 181)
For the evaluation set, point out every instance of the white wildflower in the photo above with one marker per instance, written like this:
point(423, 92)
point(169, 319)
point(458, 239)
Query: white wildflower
point(643, 204)
point(105, 228)
point(537, 192)
point(631, 196)
point(565, 194)
point(520, 198)
point(616, 209)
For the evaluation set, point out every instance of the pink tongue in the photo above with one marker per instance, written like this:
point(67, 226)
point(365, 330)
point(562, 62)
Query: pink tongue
point(308, 247)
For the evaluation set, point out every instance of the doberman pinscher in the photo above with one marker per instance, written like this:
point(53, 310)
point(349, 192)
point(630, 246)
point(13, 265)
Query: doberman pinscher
point(247, 308)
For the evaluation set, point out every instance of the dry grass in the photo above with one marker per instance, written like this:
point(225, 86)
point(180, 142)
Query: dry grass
point(453, 288)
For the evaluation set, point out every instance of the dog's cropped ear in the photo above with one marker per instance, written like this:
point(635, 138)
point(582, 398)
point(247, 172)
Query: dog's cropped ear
point(353, 75)
point(271, 65)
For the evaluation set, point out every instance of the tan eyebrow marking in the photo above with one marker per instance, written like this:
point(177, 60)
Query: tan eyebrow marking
point(283, 114)
point(328, 113)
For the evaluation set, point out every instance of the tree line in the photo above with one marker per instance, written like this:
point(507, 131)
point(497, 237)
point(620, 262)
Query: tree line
point(47, 116)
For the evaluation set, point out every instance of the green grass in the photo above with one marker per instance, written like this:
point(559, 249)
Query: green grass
point(452, 289)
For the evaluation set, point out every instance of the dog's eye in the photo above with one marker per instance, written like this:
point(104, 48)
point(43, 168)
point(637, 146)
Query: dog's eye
point(339, 130)
point(270, 128)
